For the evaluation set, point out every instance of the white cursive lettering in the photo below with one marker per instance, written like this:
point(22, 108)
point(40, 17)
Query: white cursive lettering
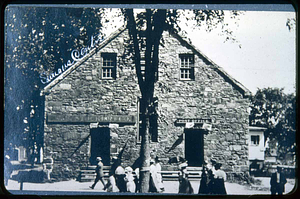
point(76, 56)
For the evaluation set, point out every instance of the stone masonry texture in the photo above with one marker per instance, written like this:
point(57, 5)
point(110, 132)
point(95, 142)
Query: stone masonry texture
point(208, 96)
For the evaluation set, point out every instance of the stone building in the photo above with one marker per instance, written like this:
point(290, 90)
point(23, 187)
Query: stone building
point(92, 108)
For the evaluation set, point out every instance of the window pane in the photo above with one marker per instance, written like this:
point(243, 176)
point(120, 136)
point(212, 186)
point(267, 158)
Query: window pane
point(109, 65)
point(187, 66)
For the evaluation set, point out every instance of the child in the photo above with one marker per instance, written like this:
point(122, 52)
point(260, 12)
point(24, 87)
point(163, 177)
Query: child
point(129, 179)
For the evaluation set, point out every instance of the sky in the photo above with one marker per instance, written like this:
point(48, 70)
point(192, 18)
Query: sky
point(265, 55)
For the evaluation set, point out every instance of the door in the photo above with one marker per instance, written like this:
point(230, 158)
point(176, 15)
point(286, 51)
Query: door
point(100, 145)
point(194, 150)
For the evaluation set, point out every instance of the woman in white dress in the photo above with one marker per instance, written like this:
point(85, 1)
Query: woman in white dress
point(129, 179)
point(159, 179)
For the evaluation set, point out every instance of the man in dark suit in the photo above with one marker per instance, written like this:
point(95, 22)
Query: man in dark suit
point(99, 173)
point(277, 182)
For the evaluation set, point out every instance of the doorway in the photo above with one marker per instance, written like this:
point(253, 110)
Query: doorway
point(194, 150)
point(100, 145)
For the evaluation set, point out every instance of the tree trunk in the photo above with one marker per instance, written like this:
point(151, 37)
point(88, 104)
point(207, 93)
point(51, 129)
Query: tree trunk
point(154, 27)
point(145, 150)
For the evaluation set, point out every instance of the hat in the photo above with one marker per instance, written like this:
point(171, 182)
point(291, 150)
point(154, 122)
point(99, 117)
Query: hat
point(119, 170)
point(128, 169)
point(114, 158)
point(218, 165)
point(98, 158)
point(183, 165)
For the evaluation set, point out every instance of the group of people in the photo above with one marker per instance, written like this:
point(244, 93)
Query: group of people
point(123, 179)
point(212, 180)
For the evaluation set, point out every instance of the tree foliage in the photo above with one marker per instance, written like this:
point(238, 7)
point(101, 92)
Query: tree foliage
point(145, 30)
point(40, 39)
point(275, 110)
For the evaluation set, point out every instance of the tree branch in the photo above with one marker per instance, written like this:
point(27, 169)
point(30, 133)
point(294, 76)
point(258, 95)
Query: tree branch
point(131, 24)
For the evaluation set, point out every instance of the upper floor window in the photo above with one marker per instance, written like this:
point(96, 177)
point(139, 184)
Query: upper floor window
point(187, 66)
point(254, 139)
point(109, 65)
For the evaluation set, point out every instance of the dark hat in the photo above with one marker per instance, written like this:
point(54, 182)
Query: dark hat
point(218, 165)
point(213, 161)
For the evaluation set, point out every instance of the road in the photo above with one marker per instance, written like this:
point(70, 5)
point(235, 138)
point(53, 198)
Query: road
point(171, 187)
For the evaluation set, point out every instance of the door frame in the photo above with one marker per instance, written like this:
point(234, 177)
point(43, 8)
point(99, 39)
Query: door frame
point(90, 144)
point(201, 132)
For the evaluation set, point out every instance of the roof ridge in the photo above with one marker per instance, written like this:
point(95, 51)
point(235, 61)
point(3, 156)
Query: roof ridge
point(239, 86)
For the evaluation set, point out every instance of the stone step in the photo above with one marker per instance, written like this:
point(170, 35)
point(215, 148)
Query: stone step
point(93, 167)
point(88, 173)
point(92, 171)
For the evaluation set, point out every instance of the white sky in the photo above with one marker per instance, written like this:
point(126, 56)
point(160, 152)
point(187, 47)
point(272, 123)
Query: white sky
point(267, 57)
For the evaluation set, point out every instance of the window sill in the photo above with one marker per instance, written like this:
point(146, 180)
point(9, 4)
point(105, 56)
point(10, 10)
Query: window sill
point(187, 79)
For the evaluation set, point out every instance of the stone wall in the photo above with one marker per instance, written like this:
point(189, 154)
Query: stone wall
point(83, 92)
point(208, 96)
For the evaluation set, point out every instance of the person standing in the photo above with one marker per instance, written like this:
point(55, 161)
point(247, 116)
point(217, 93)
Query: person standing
point(153, 179)
point(278, 181)
point(137, 179)
point(7, 169)
point(99, 173)
point(160, 184)
point(111, 185)
point(129, 179)
point(119, 176)
point(184, 184)
point(219, 180)
point(203, 188)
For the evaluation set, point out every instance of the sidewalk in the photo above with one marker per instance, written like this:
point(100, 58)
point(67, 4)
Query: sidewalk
point(171, 187)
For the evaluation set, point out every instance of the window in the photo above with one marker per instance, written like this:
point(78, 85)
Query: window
point(187, 67)
point(254, 139)
point(152, 120)
point(109, 65)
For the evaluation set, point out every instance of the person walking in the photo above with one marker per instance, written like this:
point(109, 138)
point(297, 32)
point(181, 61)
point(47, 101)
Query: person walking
point(99, 173)
point(219, 180)
point(184, 184)
point(278, 181)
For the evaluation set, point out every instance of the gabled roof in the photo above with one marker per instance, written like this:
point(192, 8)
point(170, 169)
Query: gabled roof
point(236, 84)
point(242, 89)
point(88, 55)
